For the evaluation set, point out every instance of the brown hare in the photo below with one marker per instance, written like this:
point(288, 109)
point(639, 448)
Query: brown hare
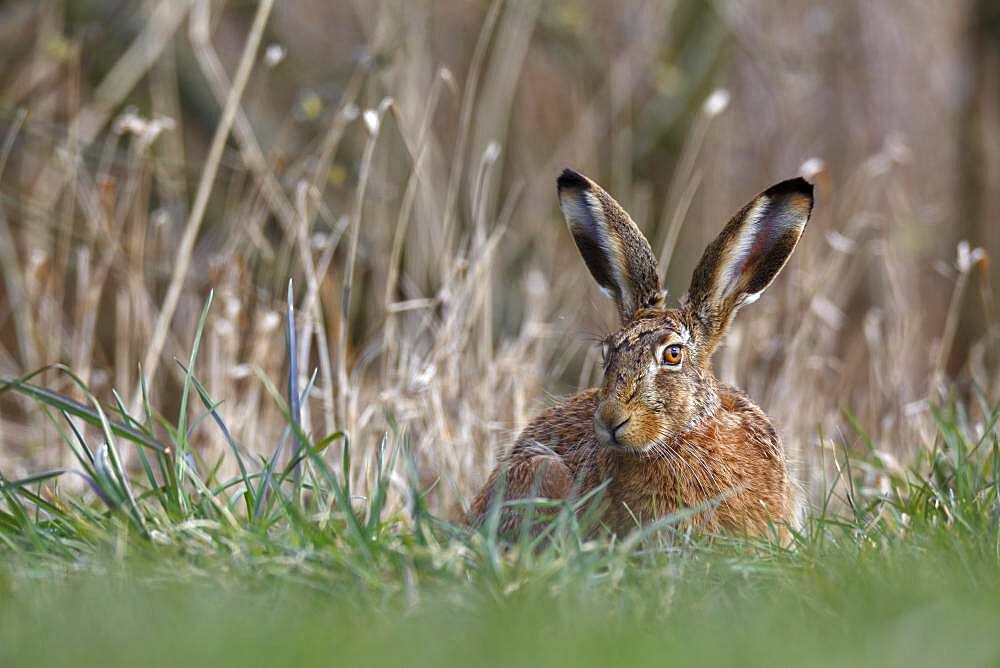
point(661, 430)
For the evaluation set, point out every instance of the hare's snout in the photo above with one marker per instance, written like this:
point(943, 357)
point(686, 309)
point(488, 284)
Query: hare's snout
point(618, 426)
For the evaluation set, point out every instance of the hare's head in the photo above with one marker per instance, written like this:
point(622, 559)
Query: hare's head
point(657, 366)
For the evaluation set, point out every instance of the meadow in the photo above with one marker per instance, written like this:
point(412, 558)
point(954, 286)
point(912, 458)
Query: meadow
point(286, 565)
point(278, 282)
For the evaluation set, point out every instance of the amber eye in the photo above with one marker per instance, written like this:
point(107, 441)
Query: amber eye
point(672, 354)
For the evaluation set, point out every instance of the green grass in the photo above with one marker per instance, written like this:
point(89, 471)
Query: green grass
point(175, 566)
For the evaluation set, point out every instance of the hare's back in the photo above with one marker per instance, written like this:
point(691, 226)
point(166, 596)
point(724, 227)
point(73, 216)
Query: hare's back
point(757, 456)
point(749, 422)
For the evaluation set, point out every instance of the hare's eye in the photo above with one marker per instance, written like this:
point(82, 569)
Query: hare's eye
point(672, 354)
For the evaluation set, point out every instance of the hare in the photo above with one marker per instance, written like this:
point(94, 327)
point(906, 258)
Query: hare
point(661, 430)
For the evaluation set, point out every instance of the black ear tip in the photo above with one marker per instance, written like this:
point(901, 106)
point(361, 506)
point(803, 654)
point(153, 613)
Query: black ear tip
point(572, 179)
point(796, 186)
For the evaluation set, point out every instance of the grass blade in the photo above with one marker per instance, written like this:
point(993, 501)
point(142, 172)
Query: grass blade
point(73, 407)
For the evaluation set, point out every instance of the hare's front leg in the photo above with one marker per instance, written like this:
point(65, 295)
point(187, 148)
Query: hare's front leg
point(535, 472)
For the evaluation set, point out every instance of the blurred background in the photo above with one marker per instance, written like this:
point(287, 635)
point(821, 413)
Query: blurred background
point(397, 160)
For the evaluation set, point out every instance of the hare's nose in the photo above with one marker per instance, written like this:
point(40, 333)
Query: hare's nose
point(618, 427)
point(610, 421)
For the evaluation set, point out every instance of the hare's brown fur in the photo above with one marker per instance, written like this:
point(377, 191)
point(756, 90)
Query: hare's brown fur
point(732, 465)
point(664, 436)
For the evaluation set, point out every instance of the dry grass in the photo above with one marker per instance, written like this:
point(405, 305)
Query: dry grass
point(397, 160)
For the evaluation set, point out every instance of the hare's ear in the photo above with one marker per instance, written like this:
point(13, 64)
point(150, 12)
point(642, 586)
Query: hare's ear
point(747, 255)
point(615, 251)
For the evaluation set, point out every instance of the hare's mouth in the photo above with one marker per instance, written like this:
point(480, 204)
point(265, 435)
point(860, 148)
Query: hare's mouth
point(628, 449)
point(622, 428)
point(618, 440)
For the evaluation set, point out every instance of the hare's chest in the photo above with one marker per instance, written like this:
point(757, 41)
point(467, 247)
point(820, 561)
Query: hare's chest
point(640, 495)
